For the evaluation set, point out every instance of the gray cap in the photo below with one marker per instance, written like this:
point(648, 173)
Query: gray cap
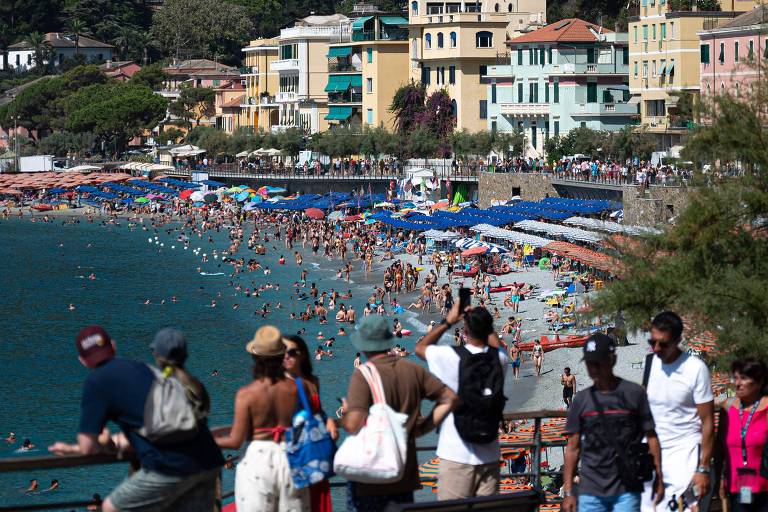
point(170, 344)
point(373, 334)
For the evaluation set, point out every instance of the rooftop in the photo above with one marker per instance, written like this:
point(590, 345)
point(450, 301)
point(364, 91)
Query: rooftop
point(757, 16)
point(63, 40)
point(572, 30)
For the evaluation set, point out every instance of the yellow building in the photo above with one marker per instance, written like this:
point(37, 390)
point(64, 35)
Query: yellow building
point(365, 72)
point(453, 43)
point(664, 54)
point(258, 108)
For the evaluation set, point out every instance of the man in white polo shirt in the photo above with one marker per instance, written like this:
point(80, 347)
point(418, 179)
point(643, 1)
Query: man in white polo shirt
point(468, 447)
point(679, 391)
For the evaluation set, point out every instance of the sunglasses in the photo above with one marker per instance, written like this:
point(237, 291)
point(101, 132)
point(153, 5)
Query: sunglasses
point(292, 352)
point(662, 344)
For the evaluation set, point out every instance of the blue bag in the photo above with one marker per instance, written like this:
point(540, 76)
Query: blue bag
point(309, 446)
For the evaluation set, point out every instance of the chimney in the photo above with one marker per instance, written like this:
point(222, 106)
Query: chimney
point(109, 63)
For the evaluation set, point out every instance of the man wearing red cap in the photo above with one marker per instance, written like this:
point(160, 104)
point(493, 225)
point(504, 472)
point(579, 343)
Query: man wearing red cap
point(179, 475)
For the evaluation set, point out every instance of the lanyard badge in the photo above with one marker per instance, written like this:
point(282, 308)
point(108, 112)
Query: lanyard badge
point(745, 476)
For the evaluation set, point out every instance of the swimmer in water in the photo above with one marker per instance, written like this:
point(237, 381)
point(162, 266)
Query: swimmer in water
point(33, 485)
point(11, 438)
point(341, 332)
point(215, 373)
point(71, 307)
point(147, 302)
point(27, 445)
point(92, 276)
point(53, 487)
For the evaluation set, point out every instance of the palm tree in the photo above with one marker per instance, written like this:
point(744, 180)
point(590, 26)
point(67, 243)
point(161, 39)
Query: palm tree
point(145, 41)
point(40, 48)
point(77, 28)
point(123, 40)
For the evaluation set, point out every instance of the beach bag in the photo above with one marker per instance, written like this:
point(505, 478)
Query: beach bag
point(309, 446)
point(169, 414)
point(481, 395)
point(377, 453)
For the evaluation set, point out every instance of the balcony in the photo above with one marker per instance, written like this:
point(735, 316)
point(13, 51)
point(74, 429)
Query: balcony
point(391, 34)
point(524, 109)
point(343, 67)
point(285, 65)
point(598, 109)
point(569, 68)
point(333, 34)
point(249, 70)
point(345, 97)
point(286, 97)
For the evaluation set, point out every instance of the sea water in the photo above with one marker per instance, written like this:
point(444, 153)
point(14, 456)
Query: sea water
point(45, 267)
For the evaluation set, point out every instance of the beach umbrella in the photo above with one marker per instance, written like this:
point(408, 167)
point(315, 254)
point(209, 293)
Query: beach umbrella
point(242, 196)
point(197, 196)
point(127, 200)
point(335, 215)
point(184, 194)
point(474, 251)
point(315, 213)
point(210, 198)
point(141, 200)
point(234, 190)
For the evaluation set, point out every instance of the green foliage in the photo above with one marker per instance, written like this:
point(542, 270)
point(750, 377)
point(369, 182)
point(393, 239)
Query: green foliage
point(194, 103)
point(577, 141)
point(171, 134)
point(66, 143)
point(630, 142)
point(338, 143)
point(377, 141)
point(291, 141)
point(422, 143)
point(408, 107)
point(152, 76)
point(203, 27)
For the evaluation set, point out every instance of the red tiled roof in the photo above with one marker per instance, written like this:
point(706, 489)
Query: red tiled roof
point(572, 30)
point(234, 102)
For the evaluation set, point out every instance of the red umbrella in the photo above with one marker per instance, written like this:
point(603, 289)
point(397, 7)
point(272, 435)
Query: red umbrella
point(186, 193)
point(473, 251)
point(315, 213)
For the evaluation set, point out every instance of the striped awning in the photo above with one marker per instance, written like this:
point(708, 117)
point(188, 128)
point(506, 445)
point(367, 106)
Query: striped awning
point(339, 113)
point(339, 51)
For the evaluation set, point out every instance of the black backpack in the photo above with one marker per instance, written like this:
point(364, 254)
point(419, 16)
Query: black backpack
point(481, 395)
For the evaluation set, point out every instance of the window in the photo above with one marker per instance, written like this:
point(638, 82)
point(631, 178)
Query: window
point(736, 51)
point(442, 75)
point(546, 92)
point(425, 72)
point(636, 66)
point(663, 28)
point(519, 56)
point(453, 39)
point(645, 32)
point(672, 29)
point(535, 57)
point(483, 72)
point(721, 57)
point(493, 93)
point(653, 31)
point(751, 50)
point(556, 92)
point(645, 69)
point(549, 55)
point(546, 130)
point(496, 8)
point(590, 55)
point(557, 128)
point(509, 8)
point(369, 53)
point(454, 109)
point(484, 39)
point(440, 42)
point(520, 92)
point(530, 56)
point(369, 85)
point(369, 116)
point(414, 8)
point(634, 32)
point(625, 56)
point(533, 136)
point(541, 56)
point(483, 109)
point(452, 75)
point(591, 92)
point(494, 126)
point(653, 68)
point(428, 41)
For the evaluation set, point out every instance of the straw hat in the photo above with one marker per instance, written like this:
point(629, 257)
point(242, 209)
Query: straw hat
point(267, 342)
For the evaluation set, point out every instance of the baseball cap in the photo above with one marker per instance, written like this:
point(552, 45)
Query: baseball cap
point(599, 347)
point(170, 344)
point(94, 345)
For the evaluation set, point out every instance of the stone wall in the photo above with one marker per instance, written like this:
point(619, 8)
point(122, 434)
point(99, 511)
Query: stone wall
point(502, 186)
point(655, 206)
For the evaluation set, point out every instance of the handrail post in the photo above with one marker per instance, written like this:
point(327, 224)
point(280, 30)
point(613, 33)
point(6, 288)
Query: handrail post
point(536, 459)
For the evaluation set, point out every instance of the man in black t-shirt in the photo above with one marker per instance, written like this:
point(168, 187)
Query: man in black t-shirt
point(603, 421)
point(173, 476)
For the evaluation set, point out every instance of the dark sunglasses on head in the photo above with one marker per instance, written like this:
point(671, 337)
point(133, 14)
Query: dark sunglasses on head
point(293, 352)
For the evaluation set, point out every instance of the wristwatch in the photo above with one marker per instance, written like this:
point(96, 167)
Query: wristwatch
point(445, 323)
point(568, 494)
point(702, 469)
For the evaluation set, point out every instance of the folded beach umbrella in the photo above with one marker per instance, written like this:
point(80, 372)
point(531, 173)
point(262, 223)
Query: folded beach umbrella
point(315, 213)
point(184, 194)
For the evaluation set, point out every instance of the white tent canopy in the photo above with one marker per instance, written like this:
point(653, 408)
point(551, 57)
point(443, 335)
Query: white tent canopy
point(510, 236)
point(558, 230)
point(84, 168)
point(441, 236)
point(144, 166)
point(469, 243)
point(610, 227)
point(242, 154)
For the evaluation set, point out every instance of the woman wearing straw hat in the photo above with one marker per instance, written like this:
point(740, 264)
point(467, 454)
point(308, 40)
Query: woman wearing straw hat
point(264, 410)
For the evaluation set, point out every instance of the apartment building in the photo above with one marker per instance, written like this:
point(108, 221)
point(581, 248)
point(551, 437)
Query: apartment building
point(664, 53)
point(452, 44)
point(566, 75)
point(258, 108)
point(302, 68)
point(733, 55)
point(365, 71)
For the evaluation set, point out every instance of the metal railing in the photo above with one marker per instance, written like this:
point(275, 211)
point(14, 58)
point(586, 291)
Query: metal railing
point(327, 173)
point(16, 464)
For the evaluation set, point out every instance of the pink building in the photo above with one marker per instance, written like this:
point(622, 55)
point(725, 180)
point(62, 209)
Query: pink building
point(731, 54)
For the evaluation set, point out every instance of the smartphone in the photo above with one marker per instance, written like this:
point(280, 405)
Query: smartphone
point(465, 299)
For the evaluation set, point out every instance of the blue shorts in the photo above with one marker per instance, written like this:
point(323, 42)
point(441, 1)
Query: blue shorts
point(516, 363)
point(626, 502)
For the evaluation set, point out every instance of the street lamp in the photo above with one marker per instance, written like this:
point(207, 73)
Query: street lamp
point(16, 146)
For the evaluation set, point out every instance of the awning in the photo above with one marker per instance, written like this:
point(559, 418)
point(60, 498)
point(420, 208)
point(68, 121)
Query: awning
point(662, 69)
point(360, 22)
point(339, 113)
point(339, 83)
point(355, 80)
point(634, 100)
point(393, 20)
point(339, 51)
point(671, 68)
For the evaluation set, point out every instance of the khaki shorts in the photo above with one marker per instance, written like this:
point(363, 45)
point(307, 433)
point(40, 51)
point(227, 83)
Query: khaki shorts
point(150, 491)
point(457, 481)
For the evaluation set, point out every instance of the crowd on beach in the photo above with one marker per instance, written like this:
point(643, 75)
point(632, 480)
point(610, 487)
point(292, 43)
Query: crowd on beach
point(630, 447)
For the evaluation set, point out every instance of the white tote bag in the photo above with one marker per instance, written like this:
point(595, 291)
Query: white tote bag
point(377, 453)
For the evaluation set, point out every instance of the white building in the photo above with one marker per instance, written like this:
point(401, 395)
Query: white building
point(21, 56)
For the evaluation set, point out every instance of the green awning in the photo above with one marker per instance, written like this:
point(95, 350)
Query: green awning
point(355, 80)
point(338, 83)
point(662, 69)
point(393, 20)
point(360, 22)
point(339, 51)
point(339, 113)
point(671, 68)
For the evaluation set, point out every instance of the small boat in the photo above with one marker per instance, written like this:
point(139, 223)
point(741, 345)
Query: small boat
point(499, 289)
point(43, 207)
point(549, 344)
point(472, 272)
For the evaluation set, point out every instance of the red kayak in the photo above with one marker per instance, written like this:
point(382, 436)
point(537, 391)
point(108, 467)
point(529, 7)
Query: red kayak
point(43, 207)
point(549, 344)
point(499, 272)
point(467, 273)
point(499, 289)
